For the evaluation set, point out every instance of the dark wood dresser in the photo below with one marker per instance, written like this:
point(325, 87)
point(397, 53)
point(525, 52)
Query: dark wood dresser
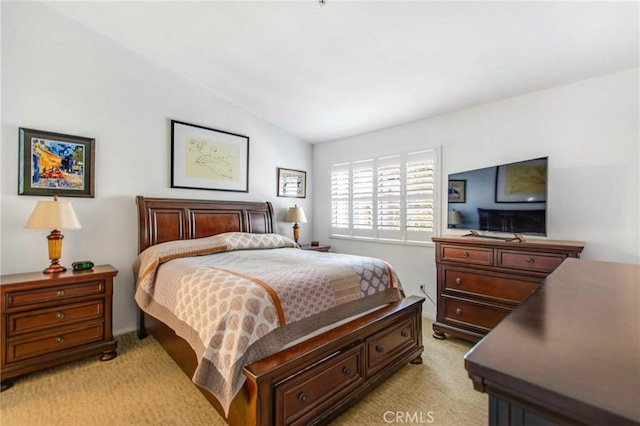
point(570, 354)
point(50, 319)
point(480, 281)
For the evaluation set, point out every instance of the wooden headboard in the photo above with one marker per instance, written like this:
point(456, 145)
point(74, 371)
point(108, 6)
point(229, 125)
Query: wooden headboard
point(169, 219)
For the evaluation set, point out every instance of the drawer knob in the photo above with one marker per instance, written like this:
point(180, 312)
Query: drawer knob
point(379, 349)
point(530, 260)
point(458, 311)
point(346, 370)
point(59, 339)
point(302, 397)
point(458, 280)
point(465, 254)
point(59, 315)
point(60, 293)
point(404, 333)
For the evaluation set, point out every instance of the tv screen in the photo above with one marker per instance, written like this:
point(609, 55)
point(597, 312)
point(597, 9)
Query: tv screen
point(510, 198)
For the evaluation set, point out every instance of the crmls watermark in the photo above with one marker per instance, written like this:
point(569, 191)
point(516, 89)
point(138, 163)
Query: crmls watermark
point(409, 417)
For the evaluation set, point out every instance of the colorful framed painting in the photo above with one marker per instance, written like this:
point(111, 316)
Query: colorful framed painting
point(55, 164)
point(205, 158)
point(292, 183)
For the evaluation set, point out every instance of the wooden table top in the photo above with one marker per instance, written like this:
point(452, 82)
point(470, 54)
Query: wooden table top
point(572, 346)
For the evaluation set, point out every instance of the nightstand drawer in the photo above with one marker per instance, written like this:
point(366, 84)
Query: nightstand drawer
point(478, 256)
point(490, 286)
point(20, 349)
point(49, 294)
point(529, 261)
point(42, 319)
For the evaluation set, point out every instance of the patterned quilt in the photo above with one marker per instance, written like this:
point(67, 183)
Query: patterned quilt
point(238, 297)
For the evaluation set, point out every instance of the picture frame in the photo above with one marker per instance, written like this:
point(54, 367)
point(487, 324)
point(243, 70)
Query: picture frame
point(292, 183)
point(523, 182)
point(55, 164)
point(207, 158)
point(457, 191)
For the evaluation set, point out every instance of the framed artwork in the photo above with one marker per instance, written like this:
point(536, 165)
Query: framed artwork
point(292, 183)
point(205, 158)
point(457, 191)
point(523, 182)
point(55, 164)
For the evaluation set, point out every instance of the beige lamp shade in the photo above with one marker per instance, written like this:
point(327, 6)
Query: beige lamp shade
point(295, 214)
point(54, 215)
point(455, 218)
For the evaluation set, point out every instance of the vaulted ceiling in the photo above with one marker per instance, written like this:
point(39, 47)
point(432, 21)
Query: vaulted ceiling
point(326, 72)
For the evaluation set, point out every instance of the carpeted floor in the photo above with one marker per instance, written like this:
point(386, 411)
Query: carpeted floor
point(143, 386)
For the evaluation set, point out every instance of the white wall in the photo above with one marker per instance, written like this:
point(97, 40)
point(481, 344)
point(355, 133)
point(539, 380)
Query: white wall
point(59, 76)
point(588, 129)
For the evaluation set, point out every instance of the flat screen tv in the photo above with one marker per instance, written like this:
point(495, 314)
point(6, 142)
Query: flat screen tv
point(507, 198)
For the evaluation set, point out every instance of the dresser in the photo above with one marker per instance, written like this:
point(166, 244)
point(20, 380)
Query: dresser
point(570, 354)
point(50, 319)
point(480, 281)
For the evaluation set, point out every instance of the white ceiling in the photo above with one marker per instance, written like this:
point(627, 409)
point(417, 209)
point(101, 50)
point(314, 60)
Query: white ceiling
point(323, 73)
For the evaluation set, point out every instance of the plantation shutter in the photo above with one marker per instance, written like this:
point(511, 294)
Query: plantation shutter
point(340, 199)
point(420, 195)
point(389, 202)
point(387, 198)
point(362, 196)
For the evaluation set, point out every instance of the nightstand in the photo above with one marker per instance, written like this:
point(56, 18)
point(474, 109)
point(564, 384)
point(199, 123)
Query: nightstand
point(51, 319)
point(316, 248)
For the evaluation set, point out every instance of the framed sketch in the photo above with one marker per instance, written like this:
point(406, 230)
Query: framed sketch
point(205, 158)
point(524, 182)
point(55, 164)
point(457, 191)
point(292, 183)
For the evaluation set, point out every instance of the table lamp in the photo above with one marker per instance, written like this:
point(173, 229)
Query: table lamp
point(295, 214)
point(455, 218)
point(54, 215)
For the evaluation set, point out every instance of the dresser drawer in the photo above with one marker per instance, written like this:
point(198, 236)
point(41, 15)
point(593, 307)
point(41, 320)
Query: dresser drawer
point(42, 319)
point(529, 261)
point(489, 286)
point(30, 347)
point(57, 293)
point(473, 315)
point(478, 256)
point(299, 398)
point(387, 344)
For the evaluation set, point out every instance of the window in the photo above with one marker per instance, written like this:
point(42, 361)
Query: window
point(386, 198)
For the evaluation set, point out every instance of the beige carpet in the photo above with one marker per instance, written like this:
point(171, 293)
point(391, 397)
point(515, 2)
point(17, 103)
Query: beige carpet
point(143, 386)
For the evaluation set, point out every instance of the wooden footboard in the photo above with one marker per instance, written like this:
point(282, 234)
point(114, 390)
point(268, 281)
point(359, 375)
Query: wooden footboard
point(314, 381)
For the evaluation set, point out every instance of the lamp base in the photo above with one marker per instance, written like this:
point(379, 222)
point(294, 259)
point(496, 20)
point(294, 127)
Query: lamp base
point(54, 268)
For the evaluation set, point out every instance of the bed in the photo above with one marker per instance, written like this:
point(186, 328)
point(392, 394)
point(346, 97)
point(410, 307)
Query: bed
point(312, 378)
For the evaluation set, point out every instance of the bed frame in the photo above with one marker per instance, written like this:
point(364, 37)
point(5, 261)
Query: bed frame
point(311, 382)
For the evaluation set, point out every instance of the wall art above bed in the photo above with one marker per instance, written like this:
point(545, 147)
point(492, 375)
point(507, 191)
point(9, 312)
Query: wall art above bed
point(55, 164)
point(205, 158)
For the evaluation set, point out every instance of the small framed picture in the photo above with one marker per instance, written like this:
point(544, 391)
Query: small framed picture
point(457, 191)
point(55, 164)
point(205, 158)
point(292, 183)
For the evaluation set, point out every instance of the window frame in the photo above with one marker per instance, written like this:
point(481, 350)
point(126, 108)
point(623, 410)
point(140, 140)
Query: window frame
point(403, 235)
